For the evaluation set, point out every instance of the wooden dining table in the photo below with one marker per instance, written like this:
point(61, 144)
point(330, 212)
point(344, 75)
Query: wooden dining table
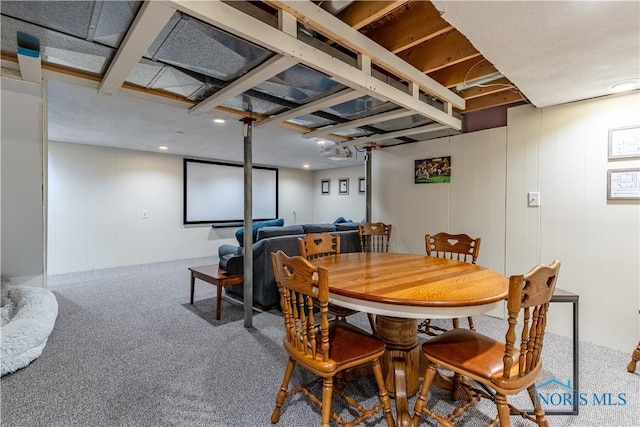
point(402, 288)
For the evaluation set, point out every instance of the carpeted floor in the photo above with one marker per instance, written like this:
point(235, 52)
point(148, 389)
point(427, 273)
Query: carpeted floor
point(128, 350)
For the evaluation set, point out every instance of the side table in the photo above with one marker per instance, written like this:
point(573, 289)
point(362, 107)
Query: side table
point(216, 276)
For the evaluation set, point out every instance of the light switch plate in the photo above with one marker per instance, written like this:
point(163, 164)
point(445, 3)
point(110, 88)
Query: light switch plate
point(533, 199)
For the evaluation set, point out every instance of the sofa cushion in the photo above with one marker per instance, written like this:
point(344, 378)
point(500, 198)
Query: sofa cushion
point(286, 230)
point(318, 228)
point(344, 226)
point(257, 226)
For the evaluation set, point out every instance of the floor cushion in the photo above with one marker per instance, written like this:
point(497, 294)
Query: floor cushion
point(28, 317)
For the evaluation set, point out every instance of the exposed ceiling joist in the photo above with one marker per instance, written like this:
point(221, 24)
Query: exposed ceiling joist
point(445, 50)
point(486, 89)
point(361, 13)
point(151, 19)
point(270, 68)
point(495, 99)
point(421, 22)
point(229, 19)
point(328, 25)
point(471, 69)
point(319, 104)
point(432, 127)
point(382, 117)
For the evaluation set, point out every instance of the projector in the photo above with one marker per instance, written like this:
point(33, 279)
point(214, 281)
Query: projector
point(335, 152)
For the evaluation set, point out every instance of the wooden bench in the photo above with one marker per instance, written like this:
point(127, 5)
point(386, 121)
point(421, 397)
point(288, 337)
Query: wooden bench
point(216, 276)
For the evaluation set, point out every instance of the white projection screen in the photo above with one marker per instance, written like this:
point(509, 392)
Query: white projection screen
point(214, 193)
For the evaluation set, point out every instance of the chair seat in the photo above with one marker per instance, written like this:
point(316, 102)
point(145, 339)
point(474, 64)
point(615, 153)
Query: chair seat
point(350, 344)
point(480, 356)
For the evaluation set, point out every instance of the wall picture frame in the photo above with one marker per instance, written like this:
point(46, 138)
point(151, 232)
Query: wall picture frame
point(432, 171)
point(623, 184)
point(325, 186)
point(362, 185)
point(624, 143)
point(343, 186)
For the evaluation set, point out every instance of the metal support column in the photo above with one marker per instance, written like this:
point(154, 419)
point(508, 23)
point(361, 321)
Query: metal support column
point(367, 180)
point(248, 222)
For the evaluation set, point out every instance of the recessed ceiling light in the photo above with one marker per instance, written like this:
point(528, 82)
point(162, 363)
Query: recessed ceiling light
point(321, 141)
point(163, 147)
point(306, 166)
point(218, 121)
point(625, 85)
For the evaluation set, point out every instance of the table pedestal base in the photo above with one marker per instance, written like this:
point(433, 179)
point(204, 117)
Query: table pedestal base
point(401, 361)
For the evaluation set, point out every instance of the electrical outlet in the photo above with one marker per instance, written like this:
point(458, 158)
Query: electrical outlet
point(145, 214)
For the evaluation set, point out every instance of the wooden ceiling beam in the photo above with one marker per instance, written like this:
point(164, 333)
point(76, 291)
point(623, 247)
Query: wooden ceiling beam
point(443, 51)
point(361, 13)
point(487, 89)
point(421, 22)
point(493, 100)
point(471, 69)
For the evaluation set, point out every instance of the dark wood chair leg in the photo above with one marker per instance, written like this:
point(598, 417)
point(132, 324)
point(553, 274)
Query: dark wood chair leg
point(635, 357)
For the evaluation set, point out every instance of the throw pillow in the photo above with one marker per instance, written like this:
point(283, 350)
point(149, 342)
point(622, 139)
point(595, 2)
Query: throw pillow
point(257, 226)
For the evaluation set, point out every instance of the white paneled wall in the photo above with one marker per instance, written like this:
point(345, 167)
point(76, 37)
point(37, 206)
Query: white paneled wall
point(22, 182)
point(328, 207)
point(473, 203)
point(562, 153)
point(97, 196)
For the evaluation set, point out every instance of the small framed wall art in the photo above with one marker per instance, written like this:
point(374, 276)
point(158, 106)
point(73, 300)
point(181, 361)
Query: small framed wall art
point(343, 186)
point(624, 143)
point(623, 184)
point(325, 186)
point(362, 185)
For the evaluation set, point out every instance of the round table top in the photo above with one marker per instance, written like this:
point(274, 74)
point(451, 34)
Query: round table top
point(412, 285)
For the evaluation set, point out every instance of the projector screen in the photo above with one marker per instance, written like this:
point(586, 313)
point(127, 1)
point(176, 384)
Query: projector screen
point(214, 193)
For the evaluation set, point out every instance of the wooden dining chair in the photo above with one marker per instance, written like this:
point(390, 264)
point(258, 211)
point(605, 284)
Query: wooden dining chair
point(326, 349)
point(635, 358)
point(374, 236)
point(500, 366)
point(459, 247)
point(316, 245)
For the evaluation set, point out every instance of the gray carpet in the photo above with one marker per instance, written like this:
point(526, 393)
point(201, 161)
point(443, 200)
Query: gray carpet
point(128, 350)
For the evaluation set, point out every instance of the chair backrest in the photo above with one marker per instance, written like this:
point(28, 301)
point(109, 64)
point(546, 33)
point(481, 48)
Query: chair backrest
point(316, 245)
point(459, 247)
point(529, 296)
point(374, 236)
point(302, 288)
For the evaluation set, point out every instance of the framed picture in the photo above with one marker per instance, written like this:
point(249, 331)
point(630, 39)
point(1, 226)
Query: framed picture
point(325, 186)
point(623, 184)
point(435, 170)
point(343, 186)
point(624, 143)
point(362, 185)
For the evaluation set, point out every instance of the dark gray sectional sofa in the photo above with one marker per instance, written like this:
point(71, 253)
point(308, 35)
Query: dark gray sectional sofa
point(273, 239)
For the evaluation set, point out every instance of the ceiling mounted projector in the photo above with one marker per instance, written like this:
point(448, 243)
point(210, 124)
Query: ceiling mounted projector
point(335, 151)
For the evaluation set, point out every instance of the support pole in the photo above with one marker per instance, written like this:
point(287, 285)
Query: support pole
point(367, 180)
point(248, 222)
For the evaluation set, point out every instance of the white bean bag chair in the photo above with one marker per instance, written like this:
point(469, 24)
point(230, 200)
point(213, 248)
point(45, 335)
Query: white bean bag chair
point(28, 316)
